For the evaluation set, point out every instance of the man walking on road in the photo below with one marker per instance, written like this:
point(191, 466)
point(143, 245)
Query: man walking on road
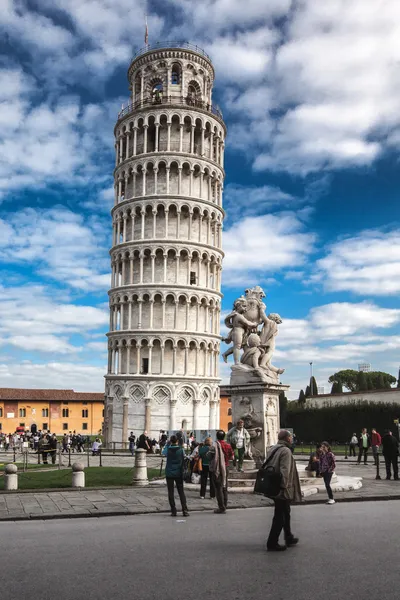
point(281, 458)
point(390, 449)
point(364, 443)
point(221, 453)
point(376, 441)
point(239, 438)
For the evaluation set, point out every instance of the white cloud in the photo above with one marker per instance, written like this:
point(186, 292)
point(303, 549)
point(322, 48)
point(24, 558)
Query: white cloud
point(365, 264)
point(57, 375)
point(60, 244)
point(256, 247)
point(242, 201)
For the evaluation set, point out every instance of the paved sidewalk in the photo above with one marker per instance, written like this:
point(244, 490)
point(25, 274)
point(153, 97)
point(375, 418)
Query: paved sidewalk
point(92, 502)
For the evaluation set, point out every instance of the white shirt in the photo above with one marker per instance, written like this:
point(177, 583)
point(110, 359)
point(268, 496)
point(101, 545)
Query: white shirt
point(240, 438)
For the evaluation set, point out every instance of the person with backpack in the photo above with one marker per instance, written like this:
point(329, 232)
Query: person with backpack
point(174, 474)
point(281, 461)
point(327, 468)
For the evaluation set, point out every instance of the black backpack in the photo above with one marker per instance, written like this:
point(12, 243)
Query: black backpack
point(269, 479)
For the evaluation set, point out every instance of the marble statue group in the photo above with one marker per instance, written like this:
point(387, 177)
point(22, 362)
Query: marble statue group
point(252, 331)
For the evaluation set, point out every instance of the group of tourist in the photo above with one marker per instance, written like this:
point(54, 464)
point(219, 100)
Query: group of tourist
point(375, 442)
point(215, 457)
point(211, 459)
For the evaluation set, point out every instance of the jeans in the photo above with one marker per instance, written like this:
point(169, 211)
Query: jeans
point(327, 480)
point(375, 450)
point(203, 482)
point(391, 461)
point(179, 486)
point(239, 452)
point(221, 492)
point(352, 451)
point(362, 451)
point(280, 521)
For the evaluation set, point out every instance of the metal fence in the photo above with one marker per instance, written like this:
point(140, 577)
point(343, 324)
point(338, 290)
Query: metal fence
point(170, 100)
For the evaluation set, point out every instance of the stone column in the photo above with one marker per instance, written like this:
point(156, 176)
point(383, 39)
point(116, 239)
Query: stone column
point(157, 125)
point(147, 417)
point(181, 137)
point(196, 406)
point(172, 414)
point(11, 477)
point(140, 469)
point(168, 137)
point(78, 475)
point(125, 409)
point(213, 410)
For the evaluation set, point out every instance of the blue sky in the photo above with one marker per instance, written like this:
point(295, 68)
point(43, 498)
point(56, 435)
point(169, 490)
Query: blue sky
point(310, 95)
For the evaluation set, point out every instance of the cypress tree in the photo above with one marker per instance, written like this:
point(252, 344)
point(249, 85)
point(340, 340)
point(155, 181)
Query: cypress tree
point(302, 397)
point(313, 386)
point(308, 391)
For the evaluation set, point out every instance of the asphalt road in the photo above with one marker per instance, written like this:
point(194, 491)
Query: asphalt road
point(346, 551)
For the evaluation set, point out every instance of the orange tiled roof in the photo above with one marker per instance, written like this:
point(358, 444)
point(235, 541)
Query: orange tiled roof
point(48, 395)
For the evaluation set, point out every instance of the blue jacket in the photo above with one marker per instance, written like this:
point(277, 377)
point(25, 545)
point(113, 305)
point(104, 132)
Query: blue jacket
point(175, 458)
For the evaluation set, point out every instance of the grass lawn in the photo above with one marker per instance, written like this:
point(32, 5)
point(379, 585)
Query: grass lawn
point(340, 449)
point(95, 477)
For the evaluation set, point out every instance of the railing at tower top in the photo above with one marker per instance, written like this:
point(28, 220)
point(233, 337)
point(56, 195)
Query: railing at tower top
point(170, 100)
point(168, 45)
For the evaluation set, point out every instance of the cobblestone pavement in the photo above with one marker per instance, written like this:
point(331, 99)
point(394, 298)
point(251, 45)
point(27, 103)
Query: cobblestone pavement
point(115, 501)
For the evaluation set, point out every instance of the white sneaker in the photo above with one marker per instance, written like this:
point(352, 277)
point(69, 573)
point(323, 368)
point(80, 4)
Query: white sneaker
point(331, 502)
point(202, 498)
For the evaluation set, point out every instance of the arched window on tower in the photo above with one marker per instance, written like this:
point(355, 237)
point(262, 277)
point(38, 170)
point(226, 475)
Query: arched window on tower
point(193, 94)
point(157, 93)
point(175, 74)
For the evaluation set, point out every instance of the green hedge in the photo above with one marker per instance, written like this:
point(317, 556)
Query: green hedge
point(338, 422)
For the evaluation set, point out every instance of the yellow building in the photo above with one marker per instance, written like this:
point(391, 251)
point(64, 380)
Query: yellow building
point(58, 411)
point(225, 409)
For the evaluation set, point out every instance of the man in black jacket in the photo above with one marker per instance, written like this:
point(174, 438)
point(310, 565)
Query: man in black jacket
point(390, 448)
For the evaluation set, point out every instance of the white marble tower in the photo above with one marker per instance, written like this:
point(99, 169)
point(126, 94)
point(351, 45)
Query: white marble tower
point(166, 255)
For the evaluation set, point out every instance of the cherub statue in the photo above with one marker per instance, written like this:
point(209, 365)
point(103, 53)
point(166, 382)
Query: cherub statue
point(239, 326)
point(267, 342)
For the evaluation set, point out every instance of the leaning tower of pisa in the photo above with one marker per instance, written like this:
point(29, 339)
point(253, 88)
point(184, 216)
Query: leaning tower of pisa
point(166, 256)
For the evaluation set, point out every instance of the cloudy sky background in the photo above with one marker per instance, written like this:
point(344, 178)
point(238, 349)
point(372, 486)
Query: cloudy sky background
point(310, 94)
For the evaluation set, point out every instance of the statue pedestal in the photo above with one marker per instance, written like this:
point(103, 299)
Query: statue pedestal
point(258, 405)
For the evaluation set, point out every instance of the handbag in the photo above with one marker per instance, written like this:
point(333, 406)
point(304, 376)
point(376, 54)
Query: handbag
point(199, 465)
point(269, 479)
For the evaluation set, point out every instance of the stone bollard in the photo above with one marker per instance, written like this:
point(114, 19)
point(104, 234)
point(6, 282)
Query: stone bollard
point(11, 477)
point(140, 469)
point(78, 475)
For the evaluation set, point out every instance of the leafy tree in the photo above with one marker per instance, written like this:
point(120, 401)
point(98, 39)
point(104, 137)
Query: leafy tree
point(302, 397)
point(378, 379)
point(337, 388)
point(350, 379)
point(308, 391)
point(362, 383)
point(380, 382)
point(313, 386)
point(347, 377)
point(387, 385)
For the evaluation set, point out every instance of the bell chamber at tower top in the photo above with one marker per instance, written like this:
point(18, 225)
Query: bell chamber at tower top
point(171, 74)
